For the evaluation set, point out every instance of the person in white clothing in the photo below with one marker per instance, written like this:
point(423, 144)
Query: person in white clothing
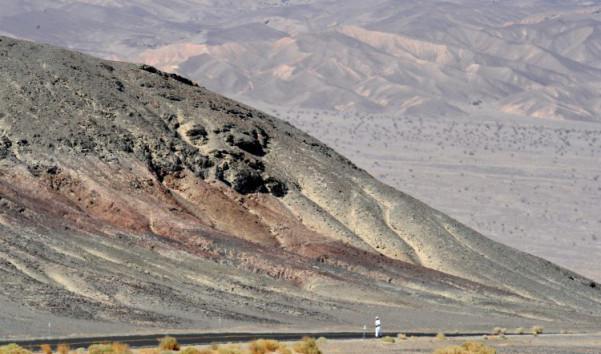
point(378, 325)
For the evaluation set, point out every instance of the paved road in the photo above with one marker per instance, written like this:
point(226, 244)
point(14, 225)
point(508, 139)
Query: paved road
point(208, 338)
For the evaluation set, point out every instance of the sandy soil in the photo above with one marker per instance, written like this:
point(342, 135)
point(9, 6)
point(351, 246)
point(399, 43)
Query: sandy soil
point(547, 344)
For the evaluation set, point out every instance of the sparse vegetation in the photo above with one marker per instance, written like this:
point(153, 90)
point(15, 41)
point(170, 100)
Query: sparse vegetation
point(46, 349)
point(168, 343)
point(441, 336)
point(497, 331)
point(230, 349)
point(263, 346)
point(467, 348)
point(388, 340)
point(63, 348)
point(519, 330)
point(401, 336)
point(307, 346)
point(148, 351)
point(190, 350)
point(111, 348)
point(13, 349)
point(536, 330)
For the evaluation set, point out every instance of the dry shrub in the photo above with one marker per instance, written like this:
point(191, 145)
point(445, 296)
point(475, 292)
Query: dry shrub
point(168, 343)
point(497, 331)
point(63, 348)
point(536, 330)
point(120, 348)
point(190, 350)
point(263, 346)
point(99, 349)
point(116, 348)
point(401, 336)
point(307, 346)
point(46, 349)
point(388, 340)
point(441, 336)
point(231, 349)
point(13, 349)
point(467, 348)
point(322, 340)
point(519, 330)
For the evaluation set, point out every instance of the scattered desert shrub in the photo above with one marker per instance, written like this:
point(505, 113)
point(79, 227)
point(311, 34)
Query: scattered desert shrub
point(441, 336)
point(263, 346)
point(190, 350)
point(497, 331)
point(46, 349)
point(536, 330)
point(322, 340)
point(114, 348)
point(232, 349)
point(388, 339)
point(168, 343)
point(148, 351)
point(467, 348)
point(519, 330)
point(13, 349)
point(401, 336)
point(120, 348)
point(307, 346)
point(100, 349)
point(63, 348)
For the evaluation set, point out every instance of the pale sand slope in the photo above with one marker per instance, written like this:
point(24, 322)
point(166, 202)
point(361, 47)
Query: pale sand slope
point(533, 184)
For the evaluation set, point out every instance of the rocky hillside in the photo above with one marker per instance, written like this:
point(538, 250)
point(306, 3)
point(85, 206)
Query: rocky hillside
point(132, 198)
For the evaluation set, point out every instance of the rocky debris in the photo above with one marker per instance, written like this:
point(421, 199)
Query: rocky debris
point(153, 70)
point(5, 146)
point(244, 179)
point(254, 142)
point(197, 134)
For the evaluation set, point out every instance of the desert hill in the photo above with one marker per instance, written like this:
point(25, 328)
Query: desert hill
point(415, 92)
point(135, 199)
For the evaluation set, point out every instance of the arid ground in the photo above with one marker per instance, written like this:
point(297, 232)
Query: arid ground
point(526, 344)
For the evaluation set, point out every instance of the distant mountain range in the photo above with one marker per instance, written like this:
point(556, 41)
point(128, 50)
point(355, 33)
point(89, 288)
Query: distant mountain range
point(538, 58)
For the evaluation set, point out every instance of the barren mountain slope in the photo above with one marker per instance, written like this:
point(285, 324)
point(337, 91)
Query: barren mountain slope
point(137, 197)
point(527, 65)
